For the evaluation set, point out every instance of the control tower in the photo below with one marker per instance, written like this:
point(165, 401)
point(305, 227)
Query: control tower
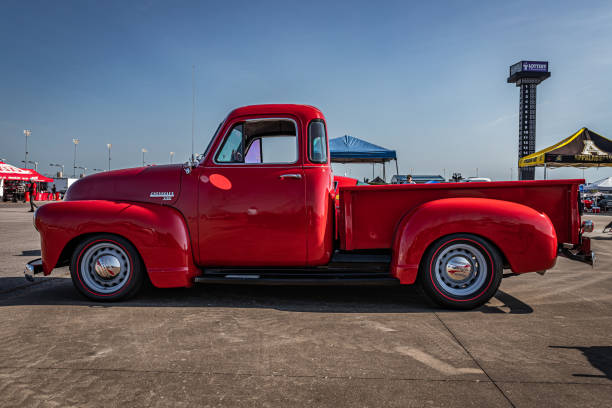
point(527, 75)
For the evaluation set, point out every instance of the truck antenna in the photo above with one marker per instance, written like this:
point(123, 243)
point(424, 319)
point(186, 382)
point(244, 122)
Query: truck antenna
point(192, 112)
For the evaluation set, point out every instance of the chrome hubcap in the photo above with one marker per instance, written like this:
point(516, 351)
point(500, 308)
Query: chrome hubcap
point(105, 267)
point(460, 269)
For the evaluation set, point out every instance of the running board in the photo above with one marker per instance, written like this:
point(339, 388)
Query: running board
point(341, 265)
point(252, 279)
point(344, 268)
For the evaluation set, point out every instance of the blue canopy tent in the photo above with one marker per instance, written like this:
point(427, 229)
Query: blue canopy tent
point(349, 149)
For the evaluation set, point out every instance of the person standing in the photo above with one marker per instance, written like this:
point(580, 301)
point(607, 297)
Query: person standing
point(32, 191)
point(53, 192)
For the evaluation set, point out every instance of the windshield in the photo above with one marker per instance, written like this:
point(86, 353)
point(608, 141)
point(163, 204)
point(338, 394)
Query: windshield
point(212, 139)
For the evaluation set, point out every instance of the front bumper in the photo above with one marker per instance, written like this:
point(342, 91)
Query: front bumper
point(32, 268)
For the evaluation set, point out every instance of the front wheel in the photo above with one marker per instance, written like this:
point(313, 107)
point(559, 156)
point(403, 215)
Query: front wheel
point(106, 267)
point(461, 271)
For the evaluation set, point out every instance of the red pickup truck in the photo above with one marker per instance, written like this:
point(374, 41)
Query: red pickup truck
point(259, 208)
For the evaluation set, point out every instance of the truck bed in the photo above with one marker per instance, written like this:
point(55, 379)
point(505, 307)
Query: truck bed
point(369, 215)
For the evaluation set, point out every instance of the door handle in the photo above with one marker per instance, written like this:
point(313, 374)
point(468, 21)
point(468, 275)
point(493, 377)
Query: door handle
point(291, 175)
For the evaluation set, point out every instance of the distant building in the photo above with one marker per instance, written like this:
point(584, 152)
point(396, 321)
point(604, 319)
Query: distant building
point(417, 178)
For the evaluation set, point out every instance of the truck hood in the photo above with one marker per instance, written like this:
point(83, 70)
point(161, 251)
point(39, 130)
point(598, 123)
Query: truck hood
point(154, 184)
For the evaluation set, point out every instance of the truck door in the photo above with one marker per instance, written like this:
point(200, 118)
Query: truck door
point(251, 200)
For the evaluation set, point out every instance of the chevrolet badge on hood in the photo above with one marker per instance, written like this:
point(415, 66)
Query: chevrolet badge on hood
point(166, 195)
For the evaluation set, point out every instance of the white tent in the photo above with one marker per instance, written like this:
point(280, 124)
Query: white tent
point(600, 185)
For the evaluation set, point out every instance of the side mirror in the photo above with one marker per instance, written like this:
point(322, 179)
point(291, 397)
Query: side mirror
point(188, 166)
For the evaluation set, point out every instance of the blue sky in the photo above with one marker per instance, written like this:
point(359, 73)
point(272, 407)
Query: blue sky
point(424, 78)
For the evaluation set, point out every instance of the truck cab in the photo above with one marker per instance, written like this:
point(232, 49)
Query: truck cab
point(266, 186)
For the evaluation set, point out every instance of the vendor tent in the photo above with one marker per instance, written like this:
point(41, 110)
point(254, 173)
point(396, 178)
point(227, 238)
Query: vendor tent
point(604, 184)
point(349, 149)
point(584, 148)
point(8, 172)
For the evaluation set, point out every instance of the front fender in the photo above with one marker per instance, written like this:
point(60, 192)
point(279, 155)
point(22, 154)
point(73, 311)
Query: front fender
point(158, 232)
point(526, 238)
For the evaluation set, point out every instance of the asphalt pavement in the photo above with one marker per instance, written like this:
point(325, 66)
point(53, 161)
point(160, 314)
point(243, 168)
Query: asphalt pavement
point(542, 341)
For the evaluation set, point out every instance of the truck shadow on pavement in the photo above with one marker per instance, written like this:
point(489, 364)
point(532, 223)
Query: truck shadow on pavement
point(600, 357)
point(328, 299)
point(33, 252)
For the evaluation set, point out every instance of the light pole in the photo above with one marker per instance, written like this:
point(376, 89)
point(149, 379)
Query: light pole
point(27, 133)
point(83, 168)
point(58, 165)
point(109, 156)
point(143, 156)
point(74, 167)
point(171, 156)
point(25, 164)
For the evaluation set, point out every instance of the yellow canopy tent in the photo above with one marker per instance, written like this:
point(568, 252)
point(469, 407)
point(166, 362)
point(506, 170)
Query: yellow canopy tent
point(584, 148)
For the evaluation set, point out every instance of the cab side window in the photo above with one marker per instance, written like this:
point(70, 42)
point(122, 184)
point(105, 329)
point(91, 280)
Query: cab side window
point(317, 142)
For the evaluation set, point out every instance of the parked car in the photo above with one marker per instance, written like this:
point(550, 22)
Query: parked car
point(258, 208)
point(476, 180)
point(343, 181)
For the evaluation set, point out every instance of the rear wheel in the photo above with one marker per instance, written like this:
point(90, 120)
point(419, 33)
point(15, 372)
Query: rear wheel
point(461, 271)
point(106, 267)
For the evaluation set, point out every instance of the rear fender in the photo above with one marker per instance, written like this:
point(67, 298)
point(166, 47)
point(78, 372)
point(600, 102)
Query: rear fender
point(526, 238)
point(158, 232)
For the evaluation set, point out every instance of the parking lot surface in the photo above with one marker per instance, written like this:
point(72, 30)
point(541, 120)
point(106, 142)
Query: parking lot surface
point(542, 341)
